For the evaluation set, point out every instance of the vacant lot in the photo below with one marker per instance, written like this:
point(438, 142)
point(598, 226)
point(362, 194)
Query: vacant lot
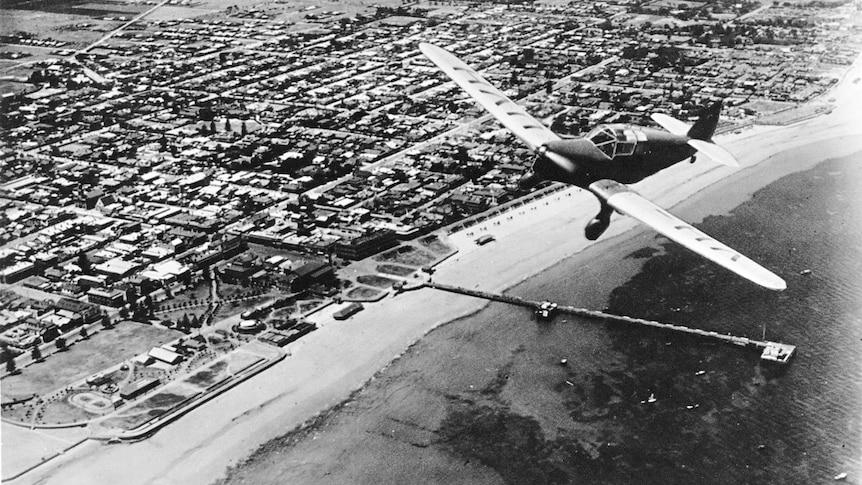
point(85, 358)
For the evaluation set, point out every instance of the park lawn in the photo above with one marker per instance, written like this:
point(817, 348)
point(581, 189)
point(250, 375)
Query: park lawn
point(229, 309)
point(395, 269)
point(375, 280)
point(363, 293)
point(85, 358)
point(201, 291)
point(209, 375)
point(406, 255)
point(62, 412)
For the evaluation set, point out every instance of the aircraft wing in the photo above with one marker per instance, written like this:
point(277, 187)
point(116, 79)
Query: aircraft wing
point(628, 202)
point(511, 115)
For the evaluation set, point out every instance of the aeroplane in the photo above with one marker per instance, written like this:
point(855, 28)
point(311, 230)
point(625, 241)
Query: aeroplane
point(608, 158)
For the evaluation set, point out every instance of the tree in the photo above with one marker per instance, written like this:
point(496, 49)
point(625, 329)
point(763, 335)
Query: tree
point(106, 321)
point(36, 353)
point(138, 313)
point(83, 333)
point(84, 263)
point(227, 126)
point(60, 343)
point(11, 367)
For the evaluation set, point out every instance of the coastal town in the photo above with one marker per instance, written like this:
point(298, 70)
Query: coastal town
point(185, 192)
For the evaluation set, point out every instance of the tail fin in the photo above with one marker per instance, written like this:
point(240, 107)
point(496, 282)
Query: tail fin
point(705, 125)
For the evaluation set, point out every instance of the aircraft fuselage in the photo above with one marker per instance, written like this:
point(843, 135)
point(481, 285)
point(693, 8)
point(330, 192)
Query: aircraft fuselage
point(624, 153)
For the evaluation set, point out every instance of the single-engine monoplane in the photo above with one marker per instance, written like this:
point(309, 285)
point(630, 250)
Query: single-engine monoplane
point(611, 156)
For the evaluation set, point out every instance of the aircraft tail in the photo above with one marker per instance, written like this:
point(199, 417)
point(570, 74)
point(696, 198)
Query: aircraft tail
point(704, 128)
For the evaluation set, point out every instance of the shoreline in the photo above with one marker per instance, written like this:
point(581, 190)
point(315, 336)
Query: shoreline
point(294, 457)
point(341, 416)
point(341, 358)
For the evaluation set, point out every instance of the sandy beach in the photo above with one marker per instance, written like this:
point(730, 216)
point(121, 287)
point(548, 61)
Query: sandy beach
point(328, 365)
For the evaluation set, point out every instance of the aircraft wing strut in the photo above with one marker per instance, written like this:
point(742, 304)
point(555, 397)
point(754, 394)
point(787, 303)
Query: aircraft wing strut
point(628, 202)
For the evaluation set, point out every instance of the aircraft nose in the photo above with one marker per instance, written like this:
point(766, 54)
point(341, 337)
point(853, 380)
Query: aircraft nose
point(579, 149)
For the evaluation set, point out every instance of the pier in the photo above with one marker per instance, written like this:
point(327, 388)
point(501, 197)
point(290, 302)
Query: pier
point(772, 352)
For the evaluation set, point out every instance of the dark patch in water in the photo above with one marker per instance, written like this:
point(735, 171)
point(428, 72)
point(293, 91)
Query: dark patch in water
point(514, 446)
point(717, 416)
point(643, 253)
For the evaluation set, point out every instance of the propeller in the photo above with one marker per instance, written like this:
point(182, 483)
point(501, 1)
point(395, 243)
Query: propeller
point(558, 159)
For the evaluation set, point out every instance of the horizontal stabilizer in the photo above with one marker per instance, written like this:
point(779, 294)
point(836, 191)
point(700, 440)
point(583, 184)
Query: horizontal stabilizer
point(715, 152)
point(673, 125)
point(628, 202)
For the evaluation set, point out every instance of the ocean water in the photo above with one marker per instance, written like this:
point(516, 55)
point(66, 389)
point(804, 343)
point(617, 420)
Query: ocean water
point(485, 399)
point(719, 415)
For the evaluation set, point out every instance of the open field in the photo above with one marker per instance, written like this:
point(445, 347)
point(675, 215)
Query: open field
point(63, 26)
point(85, 357)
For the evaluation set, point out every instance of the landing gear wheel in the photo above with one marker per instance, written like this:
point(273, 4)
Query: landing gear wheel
point(599, 224)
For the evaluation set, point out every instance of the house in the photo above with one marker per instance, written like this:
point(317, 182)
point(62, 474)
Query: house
point(312, 273)
point(347, 311)
point(165, 355)
point(364, 245)
point(139, 387)
point(112, 298)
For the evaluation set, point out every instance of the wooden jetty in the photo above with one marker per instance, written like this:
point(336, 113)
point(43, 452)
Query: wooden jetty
point(773, 352)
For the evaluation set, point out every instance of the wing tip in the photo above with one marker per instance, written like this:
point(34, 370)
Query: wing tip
point(763, 277)
point(775, 284)
point(427, 48)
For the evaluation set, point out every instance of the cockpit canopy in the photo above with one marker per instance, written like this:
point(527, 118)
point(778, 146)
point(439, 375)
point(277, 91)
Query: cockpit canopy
point(615, 141)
